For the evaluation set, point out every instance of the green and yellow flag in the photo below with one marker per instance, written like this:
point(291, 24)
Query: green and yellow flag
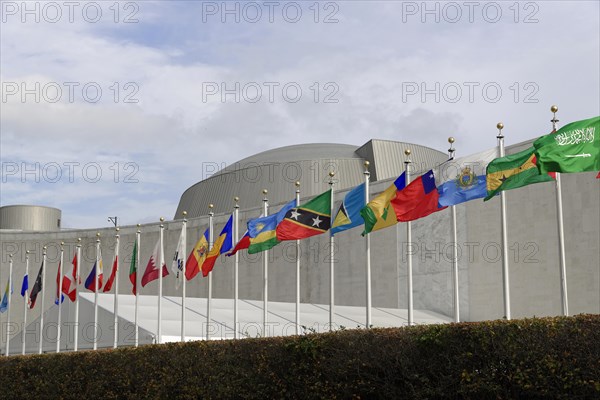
point(513, 171)
point(573, 148)
point(379, 213)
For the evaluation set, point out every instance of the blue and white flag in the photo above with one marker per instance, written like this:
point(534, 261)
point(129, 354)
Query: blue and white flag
point(463, 179)
point(25, 285)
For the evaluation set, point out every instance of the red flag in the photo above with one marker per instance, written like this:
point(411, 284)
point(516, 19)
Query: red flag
point(417, 200)
point(598, 176)
point(244, 243)
point(68, 284)
point(113, 274)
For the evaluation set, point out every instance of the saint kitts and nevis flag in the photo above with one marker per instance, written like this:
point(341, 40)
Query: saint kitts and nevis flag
point(573, 148)
point(312, 218)
point(262, 230)
point(222, 245)
point(514, 171)
point(348, 215)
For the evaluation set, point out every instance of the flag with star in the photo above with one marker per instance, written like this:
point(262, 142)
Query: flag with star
point(417, 200)
point(310, 219)
point(513, 171)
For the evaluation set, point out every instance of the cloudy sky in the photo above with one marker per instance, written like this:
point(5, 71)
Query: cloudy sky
point(116, 108)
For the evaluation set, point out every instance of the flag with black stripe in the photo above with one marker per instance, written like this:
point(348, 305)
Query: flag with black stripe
point(310, 219)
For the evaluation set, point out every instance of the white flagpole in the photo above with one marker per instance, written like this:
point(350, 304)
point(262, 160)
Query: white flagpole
point(10, 269)
point(182, 272)
point(331, 257)
point(368, 244)
point(160, 273)
point(42, 305)
point(25, 304)
point(61, 268)
point(210, 245)
point(236, 234)
point(116, 321)
point(97, 289)
point(76, 338)
point(137, 284)
point(455, 242)
point(561, 232)
point(505, 278)
point(265, 271)
point(297, 267)
point(409, 277)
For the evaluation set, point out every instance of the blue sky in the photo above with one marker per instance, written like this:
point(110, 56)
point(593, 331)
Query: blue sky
point(168, 126)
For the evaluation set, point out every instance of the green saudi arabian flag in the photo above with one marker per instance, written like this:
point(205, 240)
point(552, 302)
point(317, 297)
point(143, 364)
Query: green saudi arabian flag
point(573, 148)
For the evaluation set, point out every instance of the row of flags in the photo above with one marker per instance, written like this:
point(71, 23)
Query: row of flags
point(574, 148)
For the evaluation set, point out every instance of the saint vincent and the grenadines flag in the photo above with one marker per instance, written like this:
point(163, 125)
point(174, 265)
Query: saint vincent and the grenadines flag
point(310, 219)
point(262, 230)
point(513, 171)
point(194, 262)
point(4, 303)
point(348, 215)
point(379, 213)
point(573, 148)
point(463, 179)
point(222, 245)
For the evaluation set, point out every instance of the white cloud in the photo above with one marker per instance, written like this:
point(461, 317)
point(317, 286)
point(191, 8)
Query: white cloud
point(369, 57)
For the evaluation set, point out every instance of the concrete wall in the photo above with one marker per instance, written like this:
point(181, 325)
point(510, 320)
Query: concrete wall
point(532, 232)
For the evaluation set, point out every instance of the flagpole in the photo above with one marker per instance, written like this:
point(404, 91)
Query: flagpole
point(368, 244)
point(409, 277)
point(561, 231)
point(25, 304)
point(42, 305)
point(61, 267)
point(236, 227)
point(184, 230)
point(331, 257)
point(210, 244)
point(10, 271)
point(137, 283)
point(116, 321)
point(77, 272)
point(265, 270)
point(96, 291)
point(505, 278)
point(160, 273)
point(455, 250)
point(297, 267)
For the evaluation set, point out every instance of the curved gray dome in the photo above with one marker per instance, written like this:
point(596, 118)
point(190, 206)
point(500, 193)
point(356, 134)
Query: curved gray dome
point(277, 170)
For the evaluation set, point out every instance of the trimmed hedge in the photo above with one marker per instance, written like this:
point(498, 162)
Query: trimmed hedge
point(530, 358)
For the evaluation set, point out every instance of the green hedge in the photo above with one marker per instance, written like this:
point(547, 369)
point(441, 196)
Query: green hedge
point(524, 359)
